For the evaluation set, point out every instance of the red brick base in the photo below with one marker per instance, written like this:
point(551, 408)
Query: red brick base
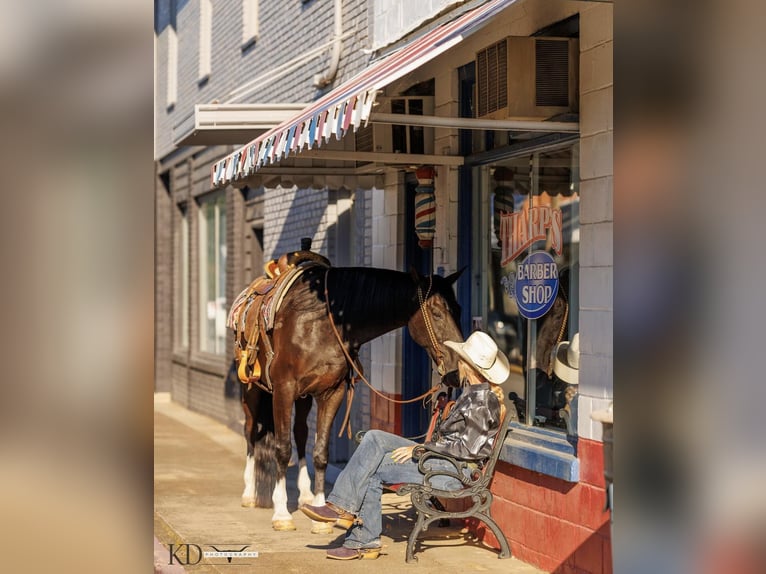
point(558, 526)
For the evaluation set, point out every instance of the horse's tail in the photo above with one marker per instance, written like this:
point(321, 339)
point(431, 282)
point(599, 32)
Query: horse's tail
point(263, 445)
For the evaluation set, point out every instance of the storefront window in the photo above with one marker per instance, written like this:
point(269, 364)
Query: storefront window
point(212, 273)
point(181, 291)
point(526, 268)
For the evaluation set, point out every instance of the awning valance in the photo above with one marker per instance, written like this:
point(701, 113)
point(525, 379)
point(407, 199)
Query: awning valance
point(350, 104)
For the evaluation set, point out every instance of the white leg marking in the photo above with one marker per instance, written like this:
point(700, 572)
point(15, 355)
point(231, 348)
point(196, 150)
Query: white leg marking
point(304, 484)
point(248, 495)
point(279, 498)
point(320, 527)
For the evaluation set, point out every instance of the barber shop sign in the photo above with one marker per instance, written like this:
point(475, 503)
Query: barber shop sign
point(535, 283)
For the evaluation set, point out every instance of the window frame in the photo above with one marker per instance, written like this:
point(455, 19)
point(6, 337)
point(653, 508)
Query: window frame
point(181, 278)
point(250, 22)
point(482, 225)
point(205, 40)
point(218, 201)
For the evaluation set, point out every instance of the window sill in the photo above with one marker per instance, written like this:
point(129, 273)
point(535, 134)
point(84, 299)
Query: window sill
point(541, 450)
point(209, 363)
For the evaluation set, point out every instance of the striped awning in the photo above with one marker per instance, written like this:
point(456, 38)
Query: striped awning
point(350, 104)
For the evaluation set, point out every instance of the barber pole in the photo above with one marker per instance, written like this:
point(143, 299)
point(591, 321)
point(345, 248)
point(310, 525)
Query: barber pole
point(425, 206)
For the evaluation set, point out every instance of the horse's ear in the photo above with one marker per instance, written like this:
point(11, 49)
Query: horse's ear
point(450, 279)
point(415, 275)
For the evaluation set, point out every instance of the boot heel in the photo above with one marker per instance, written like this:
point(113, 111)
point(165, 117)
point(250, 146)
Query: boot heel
point(346, 523)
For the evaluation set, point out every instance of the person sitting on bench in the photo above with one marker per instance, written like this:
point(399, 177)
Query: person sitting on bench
point(383, 458)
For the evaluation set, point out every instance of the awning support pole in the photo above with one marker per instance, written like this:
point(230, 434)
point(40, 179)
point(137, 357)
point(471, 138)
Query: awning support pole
point(475, 123)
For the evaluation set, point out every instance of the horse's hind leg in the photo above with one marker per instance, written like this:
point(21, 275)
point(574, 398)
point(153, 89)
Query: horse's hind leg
point(259, 431)
point(248, 495)
point(301, 433)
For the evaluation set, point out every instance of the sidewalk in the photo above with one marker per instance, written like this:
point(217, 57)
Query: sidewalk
point(198, 466)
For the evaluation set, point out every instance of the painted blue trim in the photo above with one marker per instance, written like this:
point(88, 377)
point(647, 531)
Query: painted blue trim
point(541, 450)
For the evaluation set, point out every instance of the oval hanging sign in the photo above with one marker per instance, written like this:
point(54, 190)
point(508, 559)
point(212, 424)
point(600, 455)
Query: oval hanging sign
point(536, 284)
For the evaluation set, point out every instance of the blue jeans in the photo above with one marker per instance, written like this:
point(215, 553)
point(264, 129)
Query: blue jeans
point(358, 488)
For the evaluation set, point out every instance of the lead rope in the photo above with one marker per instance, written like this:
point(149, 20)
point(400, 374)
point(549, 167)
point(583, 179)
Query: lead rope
point(346, 420)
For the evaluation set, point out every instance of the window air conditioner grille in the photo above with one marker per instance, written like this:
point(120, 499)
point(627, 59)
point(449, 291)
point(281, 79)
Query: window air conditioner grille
point(492, 78)
point(552, 72)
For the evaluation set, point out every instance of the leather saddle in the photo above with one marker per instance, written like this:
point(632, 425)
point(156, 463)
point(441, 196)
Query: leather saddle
point(252, 314)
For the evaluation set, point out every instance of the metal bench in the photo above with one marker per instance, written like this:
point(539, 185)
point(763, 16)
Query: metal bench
point(475, 481)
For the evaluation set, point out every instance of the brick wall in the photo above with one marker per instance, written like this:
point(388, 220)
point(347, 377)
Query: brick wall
point(596, 191)
point(288, 30)
point(291, 214)
point(392, 19)
point(558, 526)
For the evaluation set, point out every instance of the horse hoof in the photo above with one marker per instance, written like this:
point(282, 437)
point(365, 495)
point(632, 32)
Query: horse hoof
point(283, 525)
point(321, 527)
point(248, 502)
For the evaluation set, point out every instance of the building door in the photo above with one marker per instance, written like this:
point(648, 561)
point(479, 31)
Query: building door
point(416, 365)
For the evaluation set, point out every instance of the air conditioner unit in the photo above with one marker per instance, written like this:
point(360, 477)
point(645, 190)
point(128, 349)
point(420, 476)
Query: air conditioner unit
point(393, 138)
point(527, 77)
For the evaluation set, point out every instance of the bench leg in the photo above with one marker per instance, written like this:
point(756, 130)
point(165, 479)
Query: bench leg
point(411, 558)
point(505, 549)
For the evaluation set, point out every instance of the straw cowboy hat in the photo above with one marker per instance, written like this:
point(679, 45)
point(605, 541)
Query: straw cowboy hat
point(566, 360)
point(480, 351)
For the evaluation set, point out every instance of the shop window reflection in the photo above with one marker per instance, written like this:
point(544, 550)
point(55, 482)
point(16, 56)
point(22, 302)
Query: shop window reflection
point(525, 189)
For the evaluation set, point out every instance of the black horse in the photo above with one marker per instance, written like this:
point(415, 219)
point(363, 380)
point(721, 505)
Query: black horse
point(309, 361)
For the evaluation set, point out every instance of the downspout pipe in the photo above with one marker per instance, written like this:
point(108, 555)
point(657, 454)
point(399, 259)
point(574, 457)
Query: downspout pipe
point(322, 81)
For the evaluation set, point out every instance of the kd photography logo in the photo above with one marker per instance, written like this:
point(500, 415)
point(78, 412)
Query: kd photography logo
point(191, 554)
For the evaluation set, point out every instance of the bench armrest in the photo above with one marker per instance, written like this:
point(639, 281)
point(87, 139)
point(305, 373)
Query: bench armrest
point(467, 473)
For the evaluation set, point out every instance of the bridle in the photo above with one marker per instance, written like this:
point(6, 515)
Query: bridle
point(441, 369)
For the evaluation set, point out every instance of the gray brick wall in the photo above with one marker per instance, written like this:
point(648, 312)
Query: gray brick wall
point(292, 214)
point(287, 31)
point(596, 219)
point(392, 19)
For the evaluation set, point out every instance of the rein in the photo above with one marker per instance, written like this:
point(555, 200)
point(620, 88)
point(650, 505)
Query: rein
point(359, 375)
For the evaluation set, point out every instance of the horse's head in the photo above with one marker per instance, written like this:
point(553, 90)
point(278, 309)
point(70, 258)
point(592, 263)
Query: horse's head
point(437, 320)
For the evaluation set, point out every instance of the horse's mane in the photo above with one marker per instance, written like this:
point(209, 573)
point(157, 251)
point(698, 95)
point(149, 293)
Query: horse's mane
point(380, 295)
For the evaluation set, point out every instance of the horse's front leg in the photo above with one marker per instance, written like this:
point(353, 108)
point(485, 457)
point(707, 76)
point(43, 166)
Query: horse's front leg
point(301, 433)
point(283, 406)
point(327, 408)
